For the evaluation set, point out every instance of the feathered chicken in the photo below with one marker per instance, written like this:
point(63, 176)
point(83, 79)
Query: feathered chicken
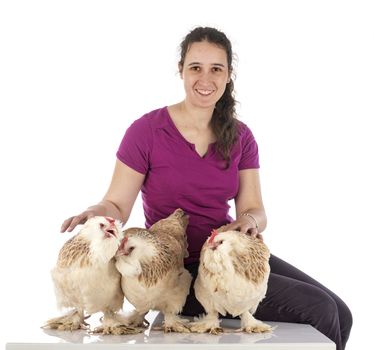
point(232, 278)
point(86, 280)
point(153, 274)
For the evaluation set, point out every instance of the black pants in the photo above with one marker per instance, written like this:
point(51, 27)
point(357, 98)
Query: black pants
point(293, 296)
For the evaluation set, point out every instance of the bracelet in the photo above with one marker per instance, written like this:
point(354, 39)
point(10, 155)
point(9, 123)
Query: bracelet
point(254, 219)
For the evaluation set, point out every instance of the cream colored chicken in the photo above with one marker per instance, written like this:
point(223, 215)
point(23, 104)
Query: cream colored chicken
point(153, 274)
point(232, 278)
point(86, 280)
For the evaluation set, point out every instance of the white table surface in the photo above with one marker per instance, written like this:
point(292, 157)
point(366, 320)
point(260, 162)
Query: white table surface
point(285, 336)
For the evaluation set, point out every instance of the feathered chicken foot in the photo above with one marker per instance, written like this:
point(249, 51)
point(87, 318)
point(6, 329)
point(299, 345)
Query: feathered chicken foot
point(250, 325)
point(208, 323)
point(73, 320)
point(112, 323)
point(173, 323)
point(137, 319)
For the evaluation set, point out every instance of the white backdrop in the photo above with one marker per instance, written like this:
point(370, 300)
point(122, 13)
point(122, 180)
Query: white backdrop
point(75, 74)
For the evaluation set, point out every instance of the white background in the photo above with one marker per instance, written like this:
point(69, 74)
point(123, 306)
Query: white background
point(75, 74)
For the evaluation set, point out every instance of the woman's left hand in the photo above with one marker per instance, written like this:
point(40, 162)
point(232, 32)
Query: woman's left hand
point(245, 225)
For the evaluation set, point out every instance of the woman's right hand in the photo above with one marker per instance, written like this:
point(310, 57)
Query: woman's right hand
point(118, 201)
point(69, 224)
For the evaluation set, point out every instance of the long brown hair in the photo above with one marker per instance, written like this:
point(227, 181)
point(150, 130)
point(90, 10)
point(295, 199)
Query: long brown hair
point(224, 123)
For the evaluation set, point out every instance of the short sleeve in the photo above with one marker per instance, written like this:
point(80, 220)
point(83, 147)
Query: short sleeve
point(135, 147)
point(249, 158)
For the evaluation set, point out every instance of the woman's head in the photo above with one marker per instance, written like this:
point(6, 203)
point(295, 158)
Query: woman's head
point(211, 35)
point(205, 74)
point(206, 66)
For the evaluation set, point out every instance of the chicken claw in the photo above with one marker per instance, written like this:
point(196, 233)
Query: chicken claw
point(206, 324)
point(258, 328)
point(178, 327)
point(216, 331)
point(249, 324)
point(69, 322)
point(117, 330)
point(174, 323)
point(116, 324)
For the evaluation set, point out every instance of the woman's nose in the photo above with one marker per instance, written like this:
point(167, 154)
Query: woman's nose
point(205, 76)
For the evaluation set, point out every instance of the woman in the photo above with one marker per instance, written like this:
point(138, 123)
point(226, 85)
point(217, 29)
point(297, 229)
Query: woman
point(197, 156)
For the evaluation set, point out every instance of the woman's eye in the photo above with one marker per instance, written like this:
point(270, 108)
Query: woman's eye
point(216, 69)
point(196, 68)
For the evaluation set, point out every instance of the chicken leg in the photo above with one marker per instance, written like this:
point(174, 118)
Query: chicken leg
point(208, 323)
point(113, 323)
point(250, 325)
point(73, 320)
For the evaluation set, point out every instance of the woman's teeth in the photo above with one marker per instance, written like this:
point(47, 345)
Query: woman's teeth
point(204, 92)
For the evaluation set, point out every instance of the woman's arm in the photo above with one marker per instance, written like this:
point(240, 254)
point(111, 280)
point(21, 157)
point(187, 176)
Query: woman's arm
point(250, 211)
point(118, 201)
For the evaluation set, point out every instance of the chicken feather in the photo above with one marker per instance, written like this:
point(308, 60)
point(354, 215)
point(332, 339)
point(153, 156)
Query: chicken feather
point(232, 278)
point(86, 280)
point(153, 274)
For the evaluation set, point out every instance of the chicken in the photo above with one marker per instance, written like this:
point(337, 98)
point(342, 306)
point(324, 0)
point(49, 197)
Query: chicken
point(86, 280)
point(153, 274)
point(232, 278)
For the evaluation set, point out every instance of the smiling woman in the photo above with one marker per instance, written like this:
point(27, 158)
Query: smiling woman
point(205, 66)
point(195, 155)
point(205, 73)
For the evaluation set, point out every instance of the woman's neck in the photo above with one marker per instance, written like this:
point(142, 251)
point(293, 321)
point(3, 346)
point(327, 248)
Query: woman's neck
point(198, 118)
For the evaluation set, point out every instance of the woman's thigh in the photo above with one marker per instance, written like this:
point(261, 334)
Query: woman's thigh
point(281, 268)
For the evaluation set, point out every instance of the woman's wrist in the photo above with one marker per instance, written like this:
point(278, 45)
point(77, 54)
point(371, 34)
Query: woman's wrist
point(252, 218)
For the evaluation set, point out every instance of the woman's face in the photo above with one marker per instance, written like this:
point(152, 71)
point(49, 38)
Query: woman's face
point(205, 74)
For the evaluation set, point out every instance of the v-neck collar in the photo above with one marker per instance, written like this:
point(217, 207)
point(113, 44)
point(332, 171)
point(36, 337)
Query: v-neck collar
point(192, 146)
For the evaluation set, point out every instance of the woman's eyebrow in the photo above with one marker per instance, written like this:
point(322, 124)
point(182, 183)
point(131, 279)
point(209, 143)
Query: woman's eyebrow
point(213, 64)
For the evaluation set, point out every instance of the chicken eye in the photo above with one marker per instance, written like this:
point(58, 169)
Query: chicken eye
point(102, 225)
point(131, 249)
point(220, 242)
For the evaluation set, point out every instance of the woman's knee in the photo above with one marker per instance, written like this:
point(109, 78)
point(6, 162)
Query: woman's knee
point(326, 313)
point(346, 321)
point(313, 305)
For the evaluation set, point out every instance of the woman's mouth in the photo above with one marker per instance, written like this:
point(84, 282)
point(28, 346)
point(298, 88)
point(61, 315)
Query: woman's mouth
point(204, 92)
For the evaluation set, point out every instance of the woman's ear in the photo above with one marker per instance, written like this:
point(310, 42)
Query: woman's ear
point(229, 77)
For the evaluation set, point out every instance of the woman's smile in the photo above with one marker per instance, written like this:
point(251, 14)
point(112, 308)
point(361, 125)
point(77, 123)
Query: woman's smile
point(204, 92)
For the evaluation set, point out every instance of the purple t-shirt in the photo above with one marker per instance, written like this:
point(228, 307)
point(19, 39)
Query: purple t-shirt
point(177, 177)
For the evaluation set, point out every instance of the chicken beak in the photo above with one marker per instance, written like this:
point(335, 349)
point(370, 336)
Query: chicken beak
point(120, 252)
point(109, 233)
point(111, 230)
point(122, 248)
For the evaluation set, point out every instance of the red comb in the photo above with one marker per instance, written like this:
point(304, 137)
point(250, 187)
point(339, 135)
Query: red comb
point(213, 234)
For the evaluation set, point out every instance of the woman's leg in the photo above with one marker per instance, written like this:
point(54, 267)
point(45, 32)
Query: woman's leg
point(290, 300)
point(280, 267)
point(192, 307)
